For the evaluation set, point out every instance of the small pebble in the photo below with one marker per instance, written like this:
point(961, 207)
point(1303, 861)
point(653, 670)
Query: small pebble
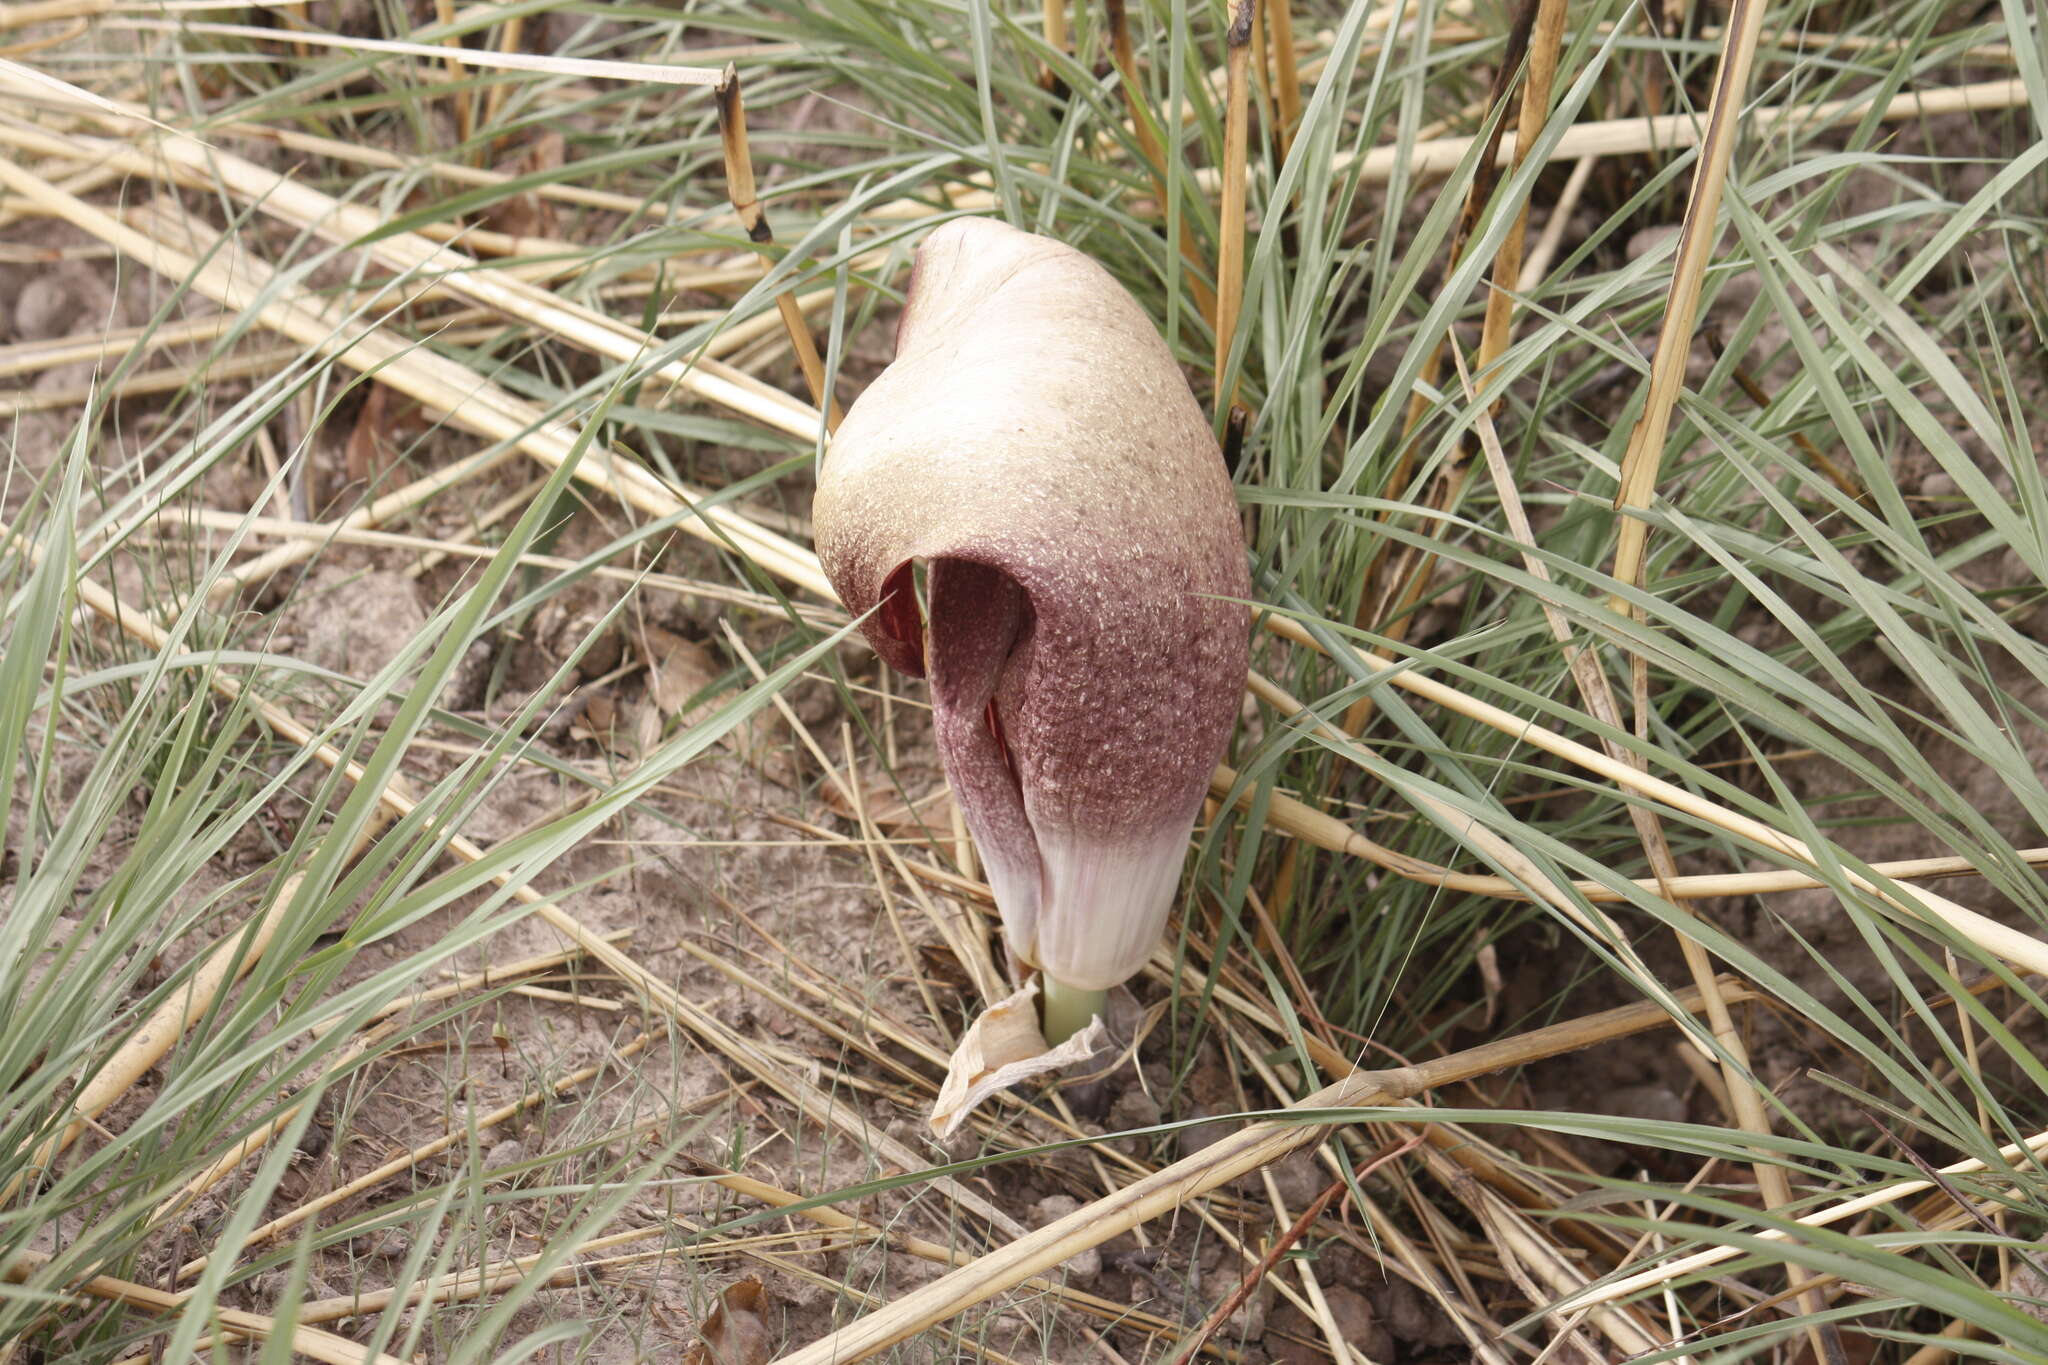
point(1083, 1265)
point(1939, 485)
point(47, 308)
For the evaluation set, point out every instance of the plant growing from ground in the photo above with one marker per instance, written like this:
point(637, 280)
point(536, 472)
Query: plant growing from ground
point(1644, 515)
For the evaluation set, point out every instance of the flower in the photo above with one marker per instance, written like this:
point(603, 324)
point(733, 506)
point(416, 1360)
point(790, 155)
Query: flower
point(1036, 446)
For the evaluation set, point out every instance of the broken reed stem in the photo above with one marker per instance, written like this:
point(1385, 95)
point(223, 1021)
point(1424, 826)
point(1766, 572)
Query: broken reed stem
point(1544, 44)
point(1175, 1186)
point(650, 73)
point(1054, 21)
point(1697, 237)
point(1305, 823)
point(1230, 215)
point(746, 203)
point(941, 1253)
point(307, 1341)
point(1142, 128)
point(1287, 74)
point(509, 34)
point(1757, 394)
point(1538, 264)
point(464, 100)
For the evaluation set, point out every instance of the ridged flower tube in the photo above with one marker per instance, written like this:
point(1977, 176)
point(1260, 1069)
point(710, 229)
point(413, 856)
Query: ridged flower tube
point(1036, 447)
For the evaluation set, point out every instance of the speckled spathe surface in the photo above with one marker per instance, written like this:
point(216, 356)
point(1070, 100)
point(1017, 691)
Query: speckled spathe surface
point(1035, 443)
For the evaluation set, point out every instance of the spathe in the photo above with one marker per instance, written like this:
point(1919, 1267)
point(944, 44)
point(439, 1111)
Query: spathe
point(1036, 446)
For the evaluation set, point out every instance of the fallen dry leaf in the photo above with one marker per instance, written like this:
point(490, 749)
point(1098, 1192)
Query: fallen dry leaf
point(526, 214)
point(737, 1332)
point(929, 816)
point(1001, 1048)
point(385, 424)
point(677, 670)
point(630, 730)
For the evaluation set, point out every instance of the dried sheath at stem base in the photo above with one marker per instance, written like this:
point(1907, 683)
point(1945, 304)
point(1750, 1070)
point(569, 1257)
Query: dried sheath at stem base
point(1036, 446)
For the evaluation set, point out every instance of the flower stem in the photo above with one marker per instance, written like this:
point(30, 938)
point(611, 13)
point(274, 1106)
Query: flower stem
point(1068, 1009)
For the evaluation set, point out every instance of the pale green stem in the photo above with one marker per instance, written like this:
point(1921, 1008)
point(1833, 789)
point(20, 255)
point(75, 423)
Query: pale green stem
point(1068, 1009)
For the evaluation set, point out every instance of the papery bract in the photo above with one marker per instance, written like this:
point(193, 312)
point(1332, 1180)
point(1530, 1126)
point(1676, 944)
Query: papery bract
point(1035, 444)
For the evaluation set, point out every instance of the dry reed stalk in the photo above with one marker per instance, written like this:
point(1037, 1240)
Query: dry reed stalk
point(13, 208)
point(509, 34)
point(2001, 941)
point(940, 1253)
point(1544, 45)
point(355, 531)
point(1299, 820)
point(1231, 211)
point(168, 379)
point(75, 29)
point(1287, 74)
point(306, 1341)
point(321, 533)
point(1671, 132)
point(1053, 22)
point(1538, 264)
point(746, 205)
point(646, 73)
point(465, 107)
point(2030, 1149)
point(1757, 394)
point(441, 384)
point(1698, 234)
point(1176, 1186)
point(1142, 126)
point(32, 357)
